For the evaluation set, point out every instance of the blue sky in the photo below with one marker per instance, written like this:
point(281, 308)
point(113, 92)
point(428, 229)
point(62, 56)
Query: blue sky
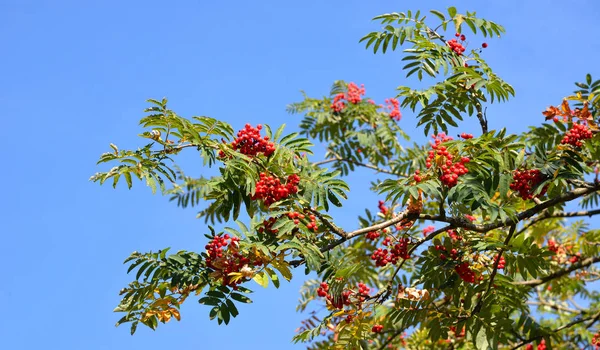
point(75, 77)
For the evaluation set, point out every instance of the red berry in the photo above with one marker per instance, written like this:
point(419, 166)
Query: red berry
point(484, 45)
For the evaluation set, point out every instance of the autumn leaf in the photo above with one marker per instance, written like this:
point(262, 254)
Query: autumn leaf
point(551, 112)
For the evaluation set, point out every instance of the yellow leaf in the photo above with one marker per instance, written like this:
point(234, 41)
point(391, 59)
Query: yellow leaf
point(283, 269)
point(262, 279)
point(458, 20)
point(176, 314)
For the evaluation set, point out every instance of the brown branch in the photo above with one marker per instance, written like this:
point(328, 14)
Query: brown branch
point(347, 160)
point(327, 223)
point(482, 119)
point(526, 214)
point(479, 305)
point(563, 327)
point(546, 215)
point(560, 273)
point(384, 292)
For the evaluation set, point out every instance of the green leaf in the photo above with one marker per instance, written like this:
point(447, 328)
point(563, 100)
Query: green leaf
point(439, 15)
point(452, 11)
point(240, 298)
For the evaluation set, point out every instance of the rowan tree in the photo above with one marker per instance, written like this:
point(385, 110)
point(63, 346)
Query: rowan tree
point(479, 241)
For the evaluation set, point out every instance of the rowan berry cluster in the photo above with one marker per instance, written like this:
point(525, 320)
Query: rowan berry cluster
point(363, 290)
point(466, 136)
point(417, 177)
point(427, 230)
point(344, 298)
point(323, 290)
point(542, 345)
point(353, 95)
point(270, 189)
point(382, 257)
point(525, 181)
point(338, 105)
point(453, 252)
point(225, 258)
point(382, 208)
point(596, 341)
point(470, 217)
point(501, 262)
point(393, 105)
point(439, 155)
point(575, 136)
point(454, 235)
point(295, 216)
point(458, 335)
point(373, 235)
point(456, 46)
point(267, 226)
point(464, 272)
point(377, 328)
point(250, 143)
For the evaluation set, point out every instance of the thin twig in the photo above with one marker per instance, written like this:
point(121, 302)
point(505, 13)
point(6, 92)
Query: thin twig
point(560, 273)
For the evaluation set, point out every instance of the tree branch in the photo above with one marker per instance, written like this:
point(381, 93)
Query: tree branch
point(526, 214)
point(560, 273)
point(364, 165)
point(568, 325)
point(477, 307)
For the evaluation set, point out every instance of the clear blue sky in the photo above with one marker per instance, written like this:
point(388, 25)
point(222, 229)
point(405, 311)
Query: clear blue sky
point(75, 75)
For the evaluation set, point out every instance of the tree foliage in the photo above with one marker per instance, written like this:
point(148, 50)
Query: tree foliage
point(479, 242)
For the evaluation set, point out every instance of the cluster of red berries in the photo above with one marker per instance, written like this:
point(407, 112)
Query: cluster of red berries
point(464, 271)
point(542, 345)
point(417, 176)
point(553, 246)
point(427, 230)
point(466, 136)
point(344, 299)
point(225, 262)
point(271, 190)
point(596, 341)
point(250, 143)
point(353, 96)
point(454, 235)
point(470, 217)
point(525, 181)
point(323, 290)
point(455, 46)
point(575, 136)
point(338, 105)
point(562, 251)
point(363, 290)
point(354, 93)
point(383, 257)
point(450, 170)
point(501, 262)
point(267, 226)
point(453, 252)
point(394, 106)
point(373, 235)
point(458, 335)
point(377, 328)
point(382, 208)
point(312, 225)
